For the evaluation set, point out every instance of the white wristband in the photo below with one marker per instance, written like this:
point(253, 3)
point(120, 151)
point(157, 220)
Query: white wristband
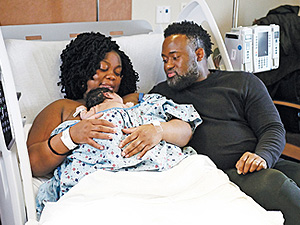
point(157, 125)
point(67, 140)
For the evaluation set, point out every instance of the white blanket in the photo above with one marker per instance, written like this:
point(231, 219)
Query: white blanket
point(193, 192)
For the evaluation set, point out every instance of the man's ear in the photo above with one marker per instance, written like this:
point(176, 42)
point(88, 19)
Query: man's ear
point(200, 54)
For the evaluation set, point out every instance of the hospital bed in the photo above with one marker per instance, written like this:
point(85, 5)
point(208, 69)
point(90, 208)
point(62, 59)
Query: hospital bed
point(29, 74)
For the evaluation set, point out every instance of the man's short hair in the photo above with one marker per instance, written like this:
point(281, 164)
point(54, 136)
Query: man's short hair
point(194, 32)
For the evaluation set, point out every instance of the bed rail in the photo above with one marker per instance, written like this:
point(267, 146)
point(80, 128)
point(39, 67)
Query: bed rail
point(199, 12)
point(15, 175)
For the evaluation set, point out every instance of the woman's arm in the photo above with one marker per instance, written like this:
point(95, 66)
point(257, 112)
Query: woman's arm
point(145, 137)
point(42, 159)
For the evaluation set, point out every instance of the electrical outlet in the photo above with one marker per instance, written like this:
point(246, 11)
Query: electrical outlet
point(163, 14)
point(159, 14)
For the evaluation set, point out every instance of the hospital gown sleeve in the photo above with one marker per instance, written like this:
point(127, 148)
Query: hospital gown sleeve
point(168, 109)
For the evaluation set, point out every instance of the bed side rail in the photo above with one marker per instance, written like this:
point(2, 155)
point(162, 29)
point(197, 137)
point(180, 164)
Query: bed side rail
point(17, 201)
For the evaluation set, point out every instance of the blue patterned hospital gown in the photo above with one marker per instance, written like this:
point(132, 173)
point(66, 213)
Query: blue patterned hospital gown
point(87, 159)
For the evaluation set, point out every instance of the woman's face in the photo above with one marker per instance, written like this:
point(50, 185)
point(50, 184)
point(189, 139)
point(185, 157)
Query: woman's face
point(109, 73)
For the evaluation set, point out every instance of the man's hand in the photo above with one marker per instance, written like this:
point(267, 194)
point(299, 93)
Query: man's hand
point(250, 162)
point(141, 139)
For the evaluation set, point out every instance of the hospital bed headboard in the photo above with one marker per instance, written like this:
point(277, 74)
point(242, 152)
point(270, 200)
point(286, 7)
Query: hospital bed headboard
point(199, 12)
point(67, 31)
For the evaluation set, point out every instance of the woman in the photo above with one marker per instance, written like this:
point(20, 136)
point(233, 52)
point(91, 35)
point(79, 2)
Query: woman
point(90, 61)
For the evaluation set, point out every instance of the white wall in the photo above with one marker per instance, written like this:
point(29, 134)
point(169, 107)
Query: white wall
point(221, 10)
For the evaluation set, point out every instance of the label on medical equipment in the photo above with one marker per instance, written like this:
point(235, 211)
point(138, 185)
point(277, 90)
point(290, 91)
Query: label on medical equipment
point(5, 123)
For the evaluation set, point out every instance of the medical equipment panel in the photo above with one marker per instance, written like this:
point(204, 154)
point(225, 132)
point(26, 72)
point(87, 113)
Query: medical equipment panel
point(5, 123)
point(262, 48)
point(239, 46)
point(275, 45)
point(263, 55)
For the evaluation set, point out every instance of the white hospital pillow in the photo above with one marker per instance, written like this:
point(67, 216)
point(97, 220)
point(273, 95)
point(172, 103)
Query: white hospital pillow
point(145, 52)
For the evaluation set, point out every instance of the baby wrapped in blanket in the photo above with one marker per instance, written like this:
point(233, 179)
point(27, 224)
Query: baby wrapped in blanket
point(86, 159)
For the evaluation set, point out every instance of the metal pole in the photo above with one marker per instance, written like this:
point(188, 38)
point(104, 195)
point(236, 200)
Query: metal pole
point(98, 10)
point(235, 13)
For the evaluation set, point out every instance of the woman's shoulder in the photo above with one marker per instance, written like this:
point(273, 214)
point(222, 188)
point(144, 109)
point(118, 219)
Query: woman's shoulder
point(66, 101)
point(61, 108)
point(63, 103)
point(133, 97)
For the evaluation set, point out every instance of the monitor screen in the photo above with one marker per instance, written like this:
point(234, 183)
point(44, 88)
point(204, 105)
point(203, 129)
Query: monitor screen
point(262, 44)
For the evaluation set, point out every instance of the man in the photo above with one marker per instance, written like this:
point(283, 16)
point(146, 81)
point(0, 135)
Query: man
point(241, 131)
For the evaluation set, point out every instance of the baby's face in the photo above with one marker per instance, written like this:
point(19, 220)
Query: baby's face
point(113, 97)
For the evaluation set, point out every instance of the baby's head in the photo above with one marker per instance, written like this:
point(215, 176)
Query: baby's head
point(99, 95)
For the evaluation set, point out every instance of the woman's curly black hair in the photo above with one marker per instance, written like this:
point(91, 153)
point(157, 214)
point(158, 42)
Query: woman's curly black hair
point(195, 33)
point(80, 60)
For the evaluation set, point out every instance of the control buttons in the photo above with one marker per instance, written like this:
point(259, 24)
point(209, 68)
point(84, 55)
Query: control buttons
point(5, 123)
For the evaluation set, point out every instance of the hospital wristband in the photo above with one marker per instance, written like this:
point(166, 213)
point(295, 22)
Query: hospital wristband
point(67, 140)
point(157, 125)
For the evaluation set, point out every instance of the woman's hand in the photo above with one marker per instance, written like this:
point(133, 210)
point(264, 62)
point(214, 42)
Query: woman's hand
point(87, 129)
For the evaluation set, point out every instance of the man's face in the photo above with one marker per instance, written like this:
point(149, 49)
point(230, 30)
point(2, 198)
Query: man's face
point(180, 62)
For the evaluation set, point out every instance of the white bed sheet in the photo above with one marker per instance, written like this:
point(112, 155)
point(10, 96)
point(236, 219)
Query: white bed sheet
point(193, 192)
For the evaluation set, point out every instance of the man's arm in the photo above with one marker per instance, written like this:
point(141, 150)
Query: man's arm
point(265, 121)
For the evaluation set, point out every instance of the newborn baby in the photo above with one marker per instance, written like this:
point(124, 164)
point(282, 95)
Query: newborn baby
point(100, 99)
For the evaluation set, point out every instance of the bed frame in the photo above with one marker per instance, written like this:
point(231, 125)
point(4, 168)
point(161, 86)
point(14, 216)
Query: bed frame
point(17, 204)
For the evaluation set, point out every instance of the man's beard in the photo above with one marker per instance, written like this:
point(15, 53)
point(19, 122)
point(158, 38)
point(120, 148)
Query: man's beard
point(180, 82)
